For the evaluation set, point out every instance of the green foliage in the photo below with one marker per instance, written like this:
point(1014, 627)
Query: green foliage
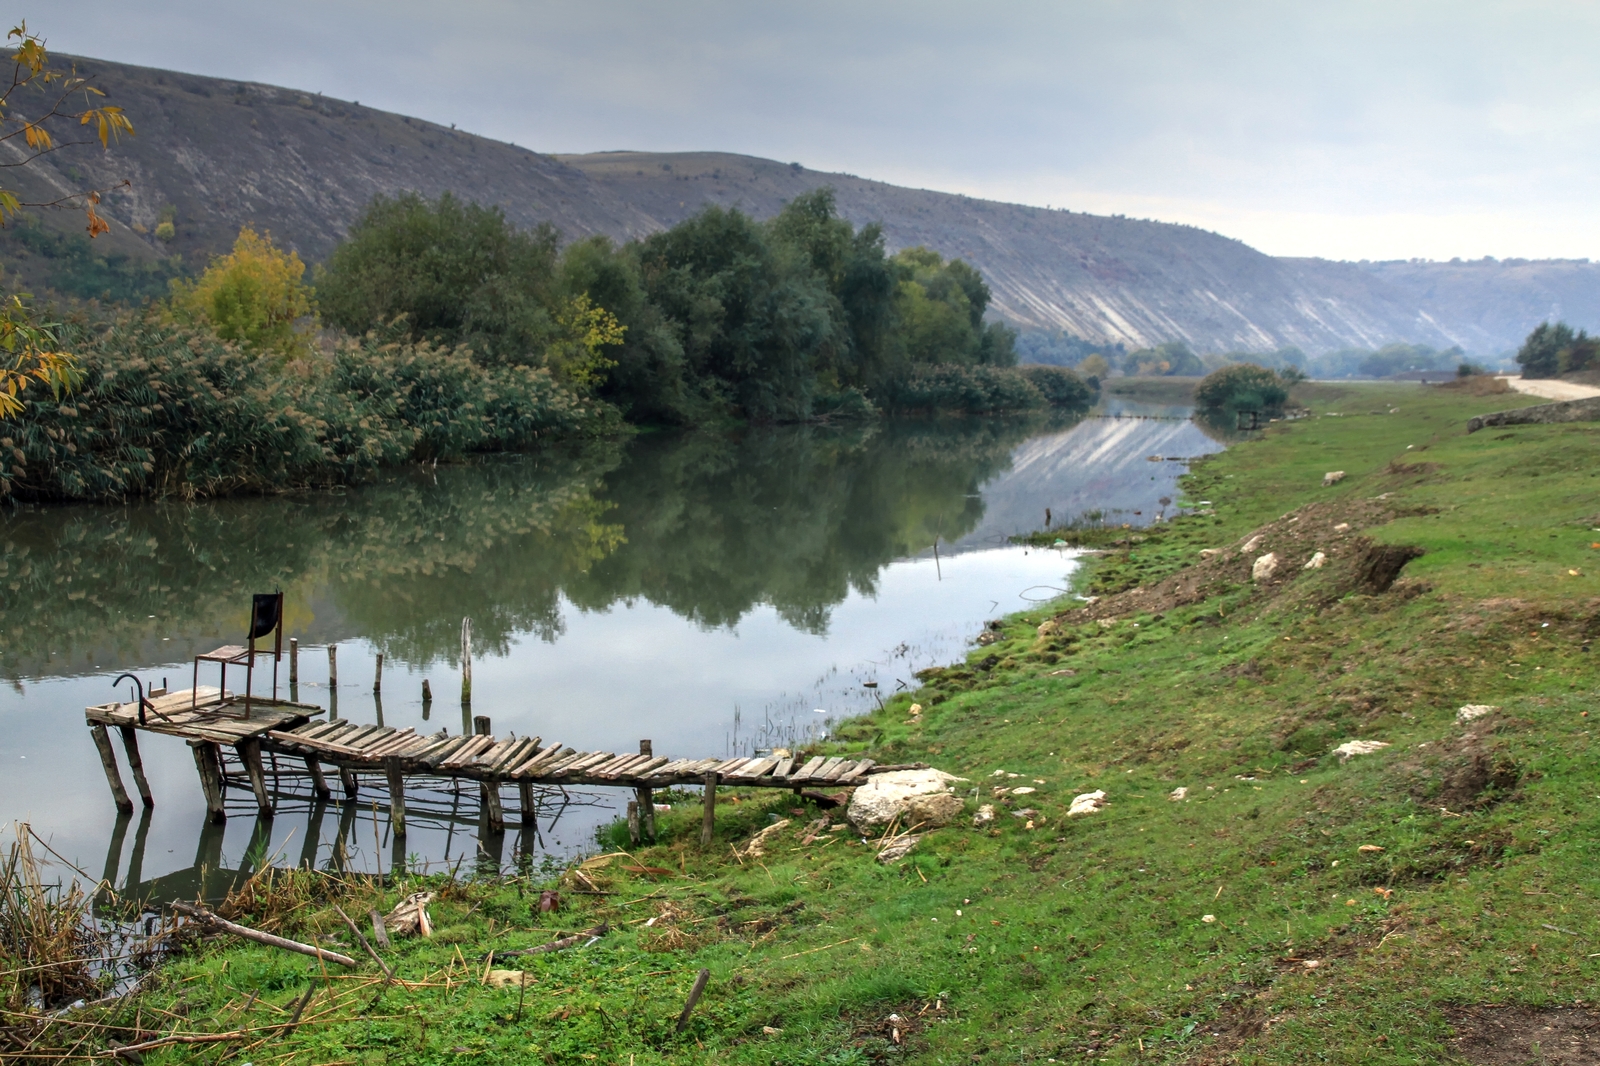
point(170, 410)
point(1172, 359)
point(70, 264)
point(252, 296)
point(983, 389)
point(458, 272)
point(1243, 387)
point(1553, 349)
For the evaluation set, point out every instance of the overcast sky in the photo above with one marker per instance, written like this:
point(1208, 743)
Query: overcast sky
point(1343, 129)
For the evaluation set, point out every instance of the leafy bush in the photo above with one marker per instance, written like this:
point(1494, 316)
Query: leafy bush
point(253, 296)
point(1060, 387)
point(966, 389)
point(167, 410)
point(1243, 387)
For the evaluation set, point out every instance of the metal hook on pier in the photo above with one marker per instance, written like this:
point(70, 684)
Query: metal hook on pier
point(139, 687)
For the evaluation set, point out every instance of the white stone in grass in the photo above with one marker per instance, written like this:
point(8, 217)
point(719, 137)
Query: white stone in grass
point(1087, 803)
point(1358, 747)
point(886, 795)
point(1251, 544)
point(1178, 794)
point(1315, 562)
point(1264, 567)
point(1474, 710)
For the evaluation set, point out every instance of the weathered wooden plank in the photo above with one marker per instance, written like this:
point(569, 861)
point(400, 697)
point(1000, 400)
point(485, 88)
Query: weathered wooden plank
point(108, 759)
point(811, 767)
point(583, 764)
point(431, 760)
point(783, 767)
point(467, 751)
point(821, 772)
point(836, 772)
point(540, 760)
point(612, 767)
point(752, 770)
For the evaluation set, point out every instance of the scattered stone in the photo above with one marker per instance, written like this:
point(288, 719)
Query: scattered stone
point(1342, 527)
point(1358, 747)
point(984, 816)
point(1088, 803)
point(1178, 794)
point(1251, 544)
point(1208, 918)
point(1048, 628)
point(1332, 477)
point(938, 809)
point(1315, 562)
point(1206, 553)
point(1264, 567)
point(886, 795)
point(1369, 848)
point(508, 978)
point(1474, 710)
point(1023, 791)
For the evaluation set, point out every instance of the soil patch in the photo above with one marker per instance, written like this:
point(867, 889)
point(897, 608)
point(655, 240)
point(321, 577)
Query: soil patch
point(1520, 1036)
point(1351, 561)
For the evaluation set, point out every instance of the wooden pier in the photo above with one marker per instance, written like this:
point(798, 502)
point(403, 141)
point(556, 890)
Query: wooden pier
point(208, 718)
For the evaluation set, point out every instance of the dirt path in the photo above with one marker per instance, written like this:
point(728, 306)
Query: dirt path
point(1552, 389)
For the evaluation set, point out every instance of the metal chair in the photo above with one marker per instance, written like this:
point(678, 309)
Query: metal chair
point(266, 616)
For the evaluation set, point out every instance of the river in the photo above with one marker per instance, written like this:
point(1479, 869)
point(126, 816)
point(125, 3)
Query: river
point(715, 594)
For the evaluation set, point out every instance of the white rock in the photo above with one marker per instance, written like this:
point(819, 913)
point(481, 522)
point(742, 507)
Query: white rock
point(984, 816)
point(1342, 527)
point(934, 810)
point(1023, 791)
point(1358, 747)
point(1087, 803)
point(1264, 567)
point(886, 795)
point(1332, 477)
point(1206, 553)
point(1251, 544)
point(758, 843)
point(1474, 710)
point(1178, 794)
point(1315, 562)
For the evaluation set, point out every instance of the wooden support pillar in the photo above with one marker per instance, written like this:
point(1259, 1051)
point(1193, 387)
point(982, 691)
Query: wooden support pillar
point(397, 796)
point(708, 822)
point(108, 759)
point(377, 676)
point(348, 776)
point(489, 791)
point(526, 807)
point(210, 767)
point(294, 660)
point(249, 751)
point(647, 801)
point(130, 745)
point(633, 822)
point(318, 782)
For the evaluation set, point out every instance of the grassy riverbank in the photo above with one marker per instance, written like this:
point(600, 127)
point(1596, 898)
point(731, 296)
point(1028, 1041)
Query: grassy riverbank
point(1290, 909)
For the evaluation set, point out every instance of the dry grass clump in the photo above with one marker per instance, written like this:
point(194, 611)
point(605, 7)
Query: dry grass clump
point(50, 945)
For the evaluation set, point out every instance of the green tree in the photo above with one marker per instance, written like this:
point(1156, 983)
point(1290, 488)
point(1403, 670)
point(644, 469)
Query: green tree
point(459, 273)
point(1540, 355)
point(1243, 387)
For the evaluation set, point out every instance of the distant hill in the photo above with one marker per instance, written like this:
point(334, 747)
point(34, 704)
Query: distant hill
point(213, 154)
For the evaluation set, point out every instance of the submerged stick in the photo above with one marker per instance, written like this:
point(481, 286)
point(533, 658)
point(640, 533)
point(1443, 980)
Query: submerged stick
point(201, 914)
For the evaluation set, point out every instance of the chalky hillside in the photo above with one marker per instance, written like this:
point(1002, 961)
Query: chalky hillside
point(1332, 808)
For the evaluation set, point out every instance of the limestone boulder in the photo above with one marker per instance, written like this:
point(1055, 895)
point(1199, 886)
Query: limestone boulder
point(885, 795)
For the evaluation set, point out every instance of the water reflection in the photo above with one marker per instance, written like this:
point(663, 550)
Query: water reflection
point(712, 593)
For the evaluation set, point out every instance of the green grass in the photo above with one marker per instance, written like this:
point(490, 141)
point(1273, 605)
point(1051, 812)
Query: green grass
point(1085, 939)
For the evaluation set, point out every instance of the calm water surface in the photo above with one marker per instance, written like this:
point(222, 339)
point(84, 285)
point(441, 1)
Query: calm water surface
point(714, 594)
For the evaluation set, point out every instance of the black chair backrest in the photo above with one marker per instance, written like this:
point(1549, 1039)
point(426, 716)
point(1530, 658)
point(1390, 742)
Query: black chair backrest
point(266, 611)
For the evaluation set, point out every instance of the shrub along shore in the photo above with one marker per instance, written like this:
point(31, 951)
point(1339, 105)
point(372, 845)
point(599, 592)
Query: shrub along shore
point(1245, 894)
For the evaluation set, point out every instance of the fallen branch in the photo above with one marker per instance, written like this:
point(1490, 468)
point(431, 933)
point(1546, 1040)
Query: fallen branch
point(388, 974)
point(555, 945)
point(201, 914)
point(694, 997)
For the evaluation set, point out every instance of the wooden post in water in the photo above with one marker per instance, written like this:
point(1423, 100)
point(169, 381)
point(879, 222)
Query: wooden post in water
point(348, 776)
point(294, 660)
point(466, 662)
point(333, 681)
point(108, 759)
point(249, 751)
point(397, 795)
point(377, 677)
point(526, 808)
point(708, 822)
point(488, 791)
point(209, 766)
point(647, 801)
point(130, 744)
point(318, 782)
